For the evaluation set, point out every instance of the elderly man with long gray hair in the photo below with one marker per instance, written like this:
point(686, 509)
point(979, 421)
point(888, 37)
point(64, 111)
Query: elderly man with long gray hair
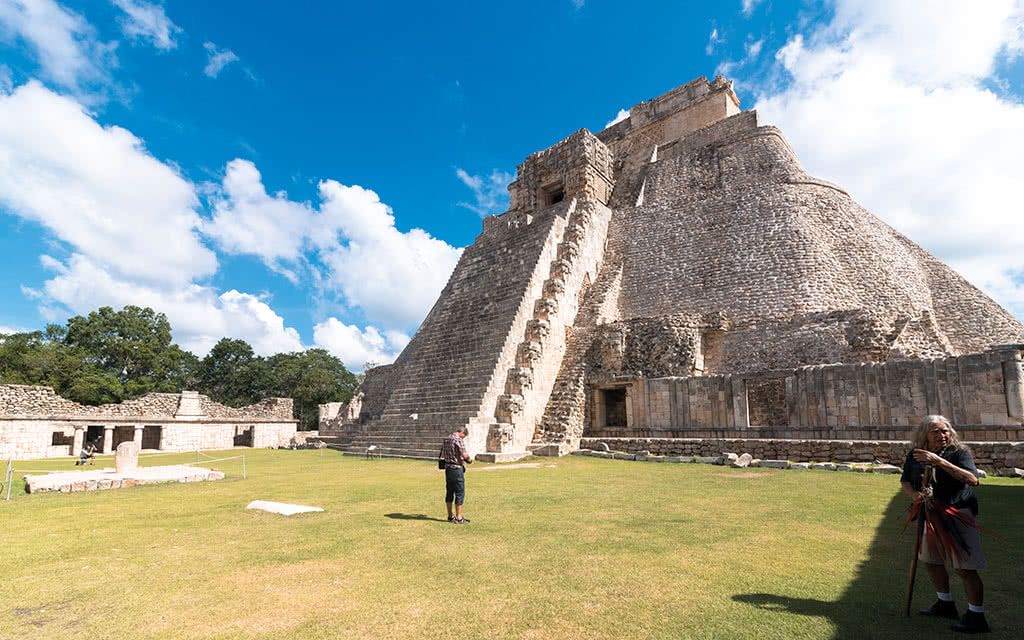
point(950, 533)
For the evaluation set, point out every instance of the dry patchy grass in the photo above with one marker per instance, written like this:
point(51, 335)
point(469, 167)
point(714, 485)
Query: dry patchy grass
point(575, 548)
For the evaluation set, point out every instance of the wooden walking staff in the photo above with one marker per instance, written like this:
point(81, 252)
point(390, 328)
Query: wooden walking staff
point(926, 490)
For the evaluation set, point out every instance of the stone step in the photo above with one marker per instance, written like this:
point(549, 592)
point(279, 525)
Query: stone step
point(411, 452)
point(392, 455)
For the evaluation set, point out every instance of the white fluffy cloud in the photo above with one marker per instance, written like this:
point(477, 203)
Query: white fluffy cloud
point(748, 7)
point(200, 316)
point(490, 193)
point(893, 101)
point(246, 220)
point(131, 221)
point(393, 276)
point(619, 117)
point(217, 59)
point(66, 45)
point(147, 21)
point(357, 347)
point(98, 189)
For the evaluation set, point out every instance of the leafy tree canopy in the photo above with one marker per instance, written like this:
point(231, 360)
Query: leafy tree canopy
point(109, 356)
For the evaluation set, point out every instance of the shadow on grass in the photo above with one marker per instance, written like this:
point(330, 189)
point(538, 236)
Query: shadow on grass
point(872, 605)
point(413, 516)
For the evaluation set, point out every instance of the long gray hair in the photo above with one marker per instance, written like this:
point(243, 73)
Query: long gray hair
point(920, 437)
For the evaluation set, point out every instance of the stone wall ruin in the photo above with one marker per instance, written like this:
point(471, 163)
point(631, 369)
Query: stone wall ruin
point(37, 423)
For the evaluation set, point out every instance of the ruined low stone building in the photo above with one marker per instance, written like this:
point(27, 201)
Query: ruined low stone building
point(37, 423)
point(679, 275)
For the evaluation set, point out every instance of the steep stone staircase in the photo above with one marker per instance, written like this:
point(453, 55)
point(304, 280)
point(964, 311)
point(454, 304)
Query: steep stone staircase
point(457, 363)
point(528, 383)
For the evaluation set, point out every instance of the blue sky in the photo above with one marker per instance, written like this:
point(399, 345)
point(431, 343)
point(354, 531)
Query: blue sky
point(306, 174)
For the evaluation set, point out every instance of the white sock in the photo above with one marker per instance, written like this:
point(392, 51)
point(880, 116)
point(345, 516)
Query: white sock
point(945, 597)
point(976, 608)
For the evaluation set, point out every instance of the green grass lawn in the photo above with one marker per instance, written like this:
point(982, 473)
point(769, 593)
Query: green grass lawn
point(578, 548)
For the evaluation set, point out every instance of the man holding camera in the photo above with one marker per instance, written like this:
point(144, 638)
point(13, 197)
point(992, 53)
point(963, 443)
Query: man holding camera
point(455, 457)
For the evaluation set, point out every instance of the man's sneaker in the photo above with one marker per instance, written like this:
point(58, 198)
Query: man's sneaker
point(461, 521)
point(942, 609)
point(972, 622)
point(451, 518)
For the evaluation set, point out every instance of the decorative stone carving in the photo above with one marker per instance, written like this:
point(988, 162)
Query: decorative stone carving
point(509, 405)
point(554, 287)
point(499, 437)
point(519, 379)
point(529, 353)
point(561, 268)
point(537, 330)
point(545, 308)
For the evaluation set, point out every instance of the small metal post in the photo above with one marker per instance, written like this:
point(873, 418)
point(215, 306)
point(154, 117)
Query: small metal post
point(9, 476)
point(244, 476)
point(197, 455)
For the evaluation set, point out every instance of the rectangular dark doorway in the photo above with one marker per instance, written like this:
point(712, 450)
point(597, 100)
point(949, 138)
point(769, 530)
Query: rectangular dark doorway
point(151, 437)
point(243, 436)
point(552, 194)
point(123, 433)
point(615, 408)
point(94, 434)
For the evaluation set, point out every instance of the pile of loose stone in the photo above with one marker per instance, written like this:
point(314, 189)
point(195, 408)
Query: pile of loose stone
point(740, 461)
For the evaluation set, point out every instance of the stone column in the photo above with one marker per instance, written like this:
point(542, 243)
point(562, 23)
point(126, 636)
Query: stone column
point(108, 439)
point(138, 436)
point(76, 446)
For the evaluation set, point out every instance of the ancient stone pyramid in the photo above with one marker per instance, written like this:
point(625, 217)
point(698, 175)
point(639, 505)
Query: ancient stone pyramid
point(685, 240)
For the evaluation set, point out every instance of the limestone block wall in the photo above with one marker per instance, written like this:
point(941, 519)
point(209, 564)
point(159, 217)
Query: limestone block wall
point(692, 106)
point(37, 401)
point(987, 455)
point(980, 393)
point(31, 415)
point(268, 409)
point(269, 435)
point(579, 167)
point(192, 436)
point(23, 439)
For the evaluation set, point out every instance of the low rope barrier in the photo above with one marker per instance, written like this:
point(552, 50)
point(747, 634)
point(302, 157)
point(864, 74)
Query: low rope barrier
point(189, 464)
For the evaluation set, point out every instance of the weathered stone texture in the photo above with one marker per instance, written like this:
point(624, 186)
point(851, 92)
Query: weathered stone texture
point(991, 455)
point(35, 423)
point(37, 401)
point(683, 267)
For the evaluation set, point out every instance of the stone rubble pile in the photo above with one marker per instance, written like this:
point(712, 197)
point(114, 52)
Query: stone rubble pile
point(746, 460)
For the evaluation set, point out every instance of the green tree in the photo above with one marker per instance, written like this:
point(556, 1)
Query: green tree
point(311, 378)
point(133, 345)
point(232, 374)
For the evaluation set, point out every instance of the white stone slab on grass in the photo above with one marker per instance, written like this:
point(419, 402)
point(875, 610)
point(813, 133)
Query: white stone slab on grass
point(282, 508)
point(102, 479)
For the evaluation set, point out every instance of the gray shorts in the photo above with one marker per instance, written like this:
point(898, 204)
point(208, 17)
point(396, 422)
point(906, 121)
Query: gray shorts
point(932, 551)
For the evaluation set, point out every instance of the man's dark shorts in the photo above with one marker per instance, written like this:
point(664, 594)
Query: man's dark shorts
point(454, 484)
